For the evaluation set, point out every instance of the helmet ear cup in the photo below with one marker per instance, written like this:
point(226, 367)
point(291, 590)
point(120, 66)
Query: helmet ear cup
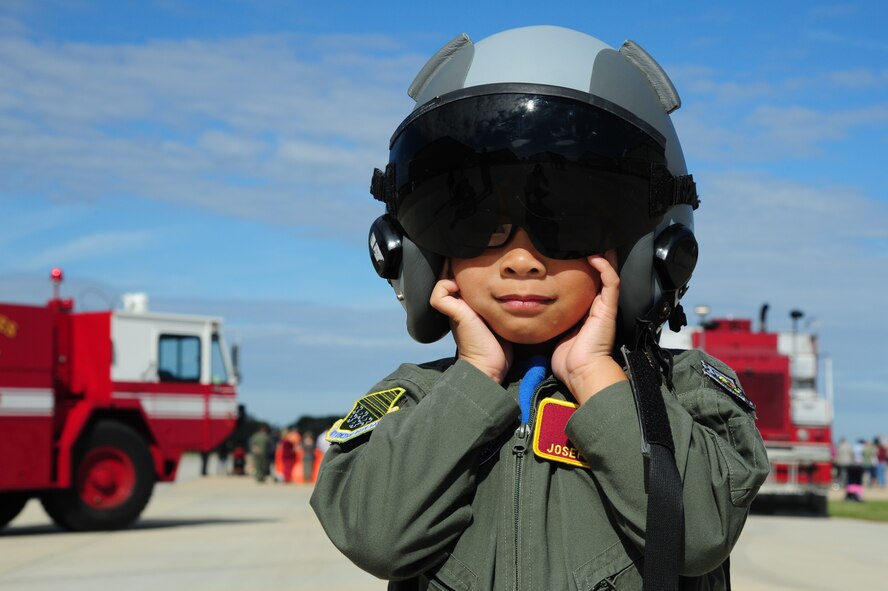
point(637, 288)
point(420, 271)
point(675, 256)
point(412, 272)
point(653, 277)
point(385, 247)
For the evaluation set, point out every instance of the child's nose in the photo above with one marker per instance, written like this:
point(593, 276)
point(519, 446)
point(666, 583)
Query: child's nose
point(521, 258)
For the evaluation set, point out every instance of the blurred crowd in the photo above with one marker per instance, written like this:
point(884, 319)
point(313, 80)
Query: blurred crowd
point(282, 455)
point(860, 464)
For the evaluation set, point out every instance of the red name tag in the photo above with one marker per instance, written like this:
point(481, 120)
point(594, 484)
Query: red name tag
point(549, 439)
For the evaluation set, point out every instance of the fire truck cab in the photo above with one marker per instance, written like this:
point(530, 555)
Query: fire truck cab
point(95, 407)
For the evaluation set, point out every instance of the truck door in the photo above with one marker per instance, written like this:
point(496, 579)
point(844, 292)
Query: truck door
point(27, 353)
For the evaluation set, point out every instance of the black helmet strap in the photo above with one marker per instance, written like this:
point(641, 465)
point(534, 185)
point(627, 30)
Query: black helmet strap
point(668, 190)
point(664, 535)
point(382, 186)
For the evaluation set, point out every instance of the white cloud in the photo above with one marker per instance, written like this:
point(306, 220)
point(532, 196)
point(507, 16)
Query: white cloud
point(333, 336)
point(858, 78)
point(14, 15)
point(770, 133)
point(862, 42)
point(86, 248)
point(803, 131)
point(277, 128)
point(713, 89)
point(778, 113)
point(761, 234)
point(830, 12)
point(231, 147)
point(30, 224)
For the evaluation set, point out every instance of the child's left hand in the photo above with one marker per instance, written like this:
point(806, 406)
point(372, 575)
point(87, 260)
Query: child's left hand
point(582, 360)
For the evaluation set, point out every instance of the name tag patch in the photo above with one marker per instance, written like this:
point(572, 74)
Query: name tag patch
point(549, 439)
point(729, 385)
point(365, 415)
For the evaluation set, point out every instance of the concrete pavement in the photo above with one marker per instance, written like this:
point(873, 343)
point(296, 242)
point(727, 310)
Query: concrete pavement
point(215, 533)
point(230, 533)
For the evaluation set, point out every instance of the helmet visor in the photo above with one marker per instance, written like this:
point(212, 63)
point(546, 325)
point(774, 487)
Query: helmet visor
point(563, 165)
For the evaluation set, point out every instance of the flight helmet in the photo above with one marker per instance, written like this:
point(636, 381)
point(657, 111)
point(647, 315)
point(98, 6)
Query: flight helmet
point(547, 129)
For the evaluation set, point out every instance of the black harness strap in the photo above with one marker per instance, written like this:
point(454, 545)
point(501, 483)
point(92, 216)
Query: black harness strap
point(664, 530)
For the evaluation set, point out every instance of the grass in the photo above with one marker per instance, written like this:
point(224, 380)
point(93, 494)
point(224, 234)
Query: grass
point(867, 510)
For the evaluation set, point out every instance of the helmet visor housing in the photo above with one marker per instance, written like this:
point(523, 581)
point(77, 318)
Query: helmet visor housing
point(578, 173)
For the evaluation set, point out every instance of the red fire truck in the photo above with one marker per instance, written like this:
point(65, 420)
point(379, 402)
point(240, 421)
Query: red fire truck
point(95, 407)
point(778, 371)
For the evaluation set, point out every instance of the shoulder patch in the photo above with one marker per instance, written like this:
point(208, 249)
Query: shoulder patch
point(365, 415)
point(729, 385)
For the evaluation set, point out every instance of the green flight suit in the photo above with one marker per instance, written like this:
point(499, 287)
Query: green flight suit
point(445, 493)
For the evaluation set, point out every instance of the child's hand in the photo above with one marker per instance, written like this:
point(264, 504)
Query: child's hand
point(582, 360)
point(475, 341)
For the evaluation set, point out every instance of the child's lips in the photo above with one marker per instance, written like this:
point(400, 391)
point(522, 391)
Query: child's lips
point(525, 302)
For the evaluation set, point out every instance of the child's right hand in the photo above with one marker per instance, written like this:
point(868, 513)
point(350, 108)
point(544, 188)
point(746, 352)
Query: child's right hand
point(475, 342)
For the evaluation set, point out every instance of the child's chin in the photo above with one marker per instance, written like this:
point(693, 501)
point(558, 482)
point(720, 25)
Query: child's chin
point(529, 338)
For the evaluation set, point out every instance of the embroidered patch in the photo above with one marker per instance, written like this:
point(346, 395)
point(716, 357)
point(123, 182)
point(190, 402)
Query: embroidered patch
point(729, 385)
point(550, 442)
point(365, 415)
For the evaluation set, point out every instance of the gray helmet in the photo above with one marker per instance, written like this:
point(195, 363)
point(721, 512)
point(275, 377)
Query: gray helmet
point(561, 134)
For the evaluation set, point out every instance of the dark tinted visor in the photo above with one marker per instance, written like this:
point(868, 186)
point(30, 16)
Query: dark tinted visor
point(569, 168)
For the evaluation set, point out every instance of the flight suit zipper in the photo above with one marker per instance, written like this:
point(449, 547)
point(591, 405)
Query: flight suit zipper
point(519, 450)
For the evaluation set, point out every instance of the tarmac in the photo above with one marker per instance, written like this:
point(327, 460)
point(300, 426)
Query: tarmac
point(214, 533)
point(230, 533)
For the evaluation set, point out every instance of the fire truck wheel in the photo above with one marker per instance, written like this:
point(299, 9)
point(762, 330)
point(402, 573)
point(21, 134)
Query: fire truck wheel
point(112, 481)
point(819, 505)
point(11, 504)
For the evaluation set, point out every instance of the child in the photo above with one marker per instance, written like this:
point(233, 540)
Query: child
point(538, 206)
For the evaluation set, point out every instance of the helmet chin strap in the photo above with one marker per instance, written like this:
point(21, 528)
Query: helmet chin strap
point(675, 256)
point(646, 339)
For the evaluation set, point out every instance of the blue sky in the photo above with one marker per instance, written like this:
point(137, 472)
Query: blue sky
point(217, 155)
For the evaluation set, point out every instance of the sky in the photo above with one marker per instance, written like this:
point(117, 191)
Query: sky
point(217, 156)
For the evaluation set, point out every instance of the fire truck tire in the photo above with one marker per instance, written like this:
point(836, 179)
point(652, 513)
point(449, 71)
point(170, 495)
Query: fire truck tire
point(112, 481)
point(819, 505)
point(11, 504)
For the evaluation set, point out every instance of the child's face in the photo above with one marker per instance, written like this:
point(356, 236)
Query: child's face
point(524, 297)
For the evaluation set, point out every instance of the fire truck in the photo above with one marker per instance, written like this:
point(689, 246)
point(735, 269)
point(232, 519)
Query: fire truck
point(779, 372)
point(96, 407)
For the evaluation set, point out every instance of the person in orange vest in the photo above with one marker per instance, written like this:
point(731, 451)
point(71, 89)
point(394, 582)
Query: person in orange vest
point(318, 458)
point(287, 454)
